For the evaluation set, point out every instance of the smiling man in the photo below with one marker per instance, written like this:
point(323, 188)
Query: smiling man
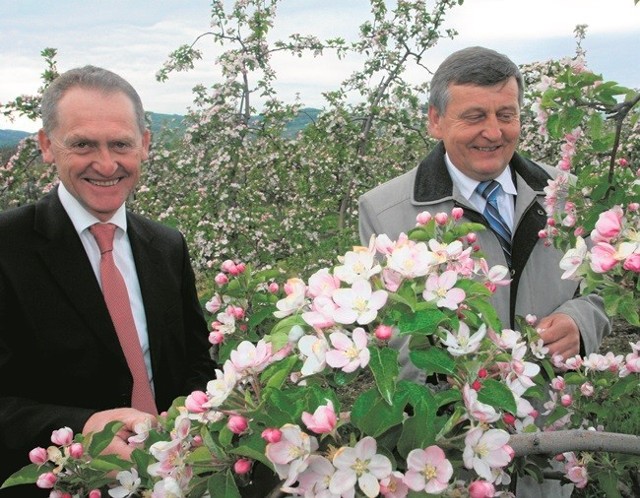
point(72, 354)
point(474, 111)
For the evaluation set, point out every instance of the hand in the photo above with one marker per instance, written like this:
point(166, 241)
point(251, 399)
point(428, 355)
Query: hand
point(560, 334)
point(130, 417)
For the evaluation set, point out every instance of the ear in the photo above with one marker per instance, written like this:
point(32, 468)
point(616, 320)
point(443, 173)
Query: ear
point(434, 123)
point(45, 147)
point(146, 142)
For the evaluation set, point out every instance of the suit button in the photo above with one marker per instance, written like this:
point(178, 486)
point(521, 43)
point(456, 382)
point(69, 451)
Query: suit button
point(512, 272)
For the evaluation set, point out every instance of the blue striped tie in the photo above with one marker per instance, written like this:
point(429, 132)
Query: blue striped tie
point(489, 190)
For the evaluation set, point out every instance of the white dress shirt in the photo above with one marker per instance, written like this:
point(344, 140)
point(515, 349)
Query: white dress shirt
point(467, 187)
point(122, 255)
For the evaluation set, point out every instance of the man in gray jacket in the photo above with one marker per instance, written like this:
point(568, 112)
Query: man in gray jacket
point(474, 110)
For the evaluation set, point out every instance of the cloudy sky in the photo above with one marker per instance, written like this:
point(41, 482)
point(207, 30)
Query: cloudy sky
point(134, 38)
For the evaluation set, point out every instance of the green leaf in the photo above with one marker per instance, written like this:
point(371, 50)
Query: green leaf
point(433, 360)
point(373, 415)
point(385, 369)
point(108, 463)
point(277, 373)
point(425, 321)
point(498, 395)
point(100, 440)
point(253, 447)
point(259, 316)
point(623, 386)
point(26, 475)
point(223, 485)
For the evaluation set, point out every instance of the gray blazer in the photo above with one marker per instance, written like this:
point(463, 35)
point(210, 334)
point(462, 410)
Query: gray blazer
point(536, 287)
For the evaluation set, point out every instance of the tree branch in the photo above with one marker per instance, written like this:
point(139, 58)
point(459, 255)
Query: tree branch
point(556, 442)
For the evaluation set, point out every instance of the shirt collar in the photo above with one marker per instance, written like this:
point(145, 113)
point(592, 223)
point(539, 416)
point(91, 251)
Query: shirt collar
point(83, 219)
point(467, 185)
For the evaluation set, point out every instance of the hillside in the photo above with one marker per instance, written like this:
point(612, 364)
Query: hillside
point(11, 138)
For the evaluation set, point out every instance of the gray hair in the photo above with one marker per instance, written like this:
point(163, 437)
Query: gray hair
point(472, 66)
point(88, 77)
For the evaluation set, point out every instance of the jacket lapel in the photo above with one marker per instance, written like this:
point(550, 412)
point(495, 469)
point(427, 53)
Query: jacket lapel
point(65, 257)
point(152, 278)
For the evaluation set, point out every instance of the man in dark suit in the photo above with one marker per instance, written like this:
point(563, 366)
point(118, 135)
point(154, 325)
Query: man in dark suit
point(61, 362)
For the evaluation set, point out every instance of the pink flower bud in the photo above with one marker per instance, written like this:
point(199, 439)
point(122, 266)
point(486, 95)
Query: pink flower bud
point(62, 437)
point(542, 234)
point(566, 400)
point(587, 389)
point(236, 311)
point(558, 383)
point(551, 222)
point(476, 386)
point(242, 466)
point(633, 207)
point(472, 237)
point(47, 480)
point(38, 455)
point(482, 373)
point(216, 337)
point(623, 162)
point(456, 213)
point(273, 288)
point(195, 401)
point(423, 218)
point(221, 279)
point(237, 424)
point(509, 419)
point(238, 269)
point(383, 332)
point(441, 218)
point(579, 232)
point(534, 414)
point(95, 493)
point(271, 435)
point(227, 265)
point(531, 319)
point(76, 450)
point(481, 489)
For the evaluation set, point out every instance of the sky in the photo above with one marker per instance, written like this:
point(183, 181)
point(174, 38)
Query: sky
point(135, 37)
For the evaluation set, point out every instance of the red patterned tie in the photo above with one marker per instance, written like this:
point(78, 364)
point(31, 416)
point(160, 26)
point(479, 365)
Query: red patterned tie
point(117, 300)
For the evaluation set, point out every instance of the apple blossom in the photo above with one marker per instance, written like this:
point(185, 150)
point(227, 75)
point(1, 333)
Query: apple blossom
point(428, 470)
point(358, 304)
point(62, 437)
point(486, 450)
point(314, 350)
point(359, 264)
point(442, 290)
point(349, 353)
point(290, 455)
point(129, 484)
point(323, 419)
point(359, 464)
point(463, 342)
point(394, 486)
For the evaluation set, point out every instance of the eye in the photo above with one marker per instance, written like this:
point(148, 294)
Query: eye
point(474, 118)
point(121, 146)
point(507, 116)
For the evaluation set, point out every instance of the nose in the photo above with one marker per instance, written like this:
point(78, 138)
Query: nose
point(104, 162)
point(492, 130)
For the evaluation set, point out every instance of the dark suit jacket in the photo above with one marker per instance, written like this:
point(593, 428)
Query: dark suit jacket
point(60, 359)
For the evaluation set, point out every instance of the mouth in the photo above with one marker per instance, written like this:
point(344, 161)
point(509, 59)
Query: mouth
point(103, 183)
point(488, 149)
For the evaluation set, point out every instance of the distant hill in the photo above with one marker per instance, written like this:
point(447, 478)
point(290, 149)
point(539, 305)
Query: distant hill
point(11, 138)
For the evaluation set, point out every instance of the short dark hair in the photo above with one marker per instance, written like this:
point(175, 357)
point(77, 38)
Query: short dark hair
point(475, 66)
point(89, 77)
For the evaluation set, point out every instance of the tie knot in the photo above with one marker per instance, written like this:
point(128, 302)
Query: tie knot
point(488, 189)
point(103, 233)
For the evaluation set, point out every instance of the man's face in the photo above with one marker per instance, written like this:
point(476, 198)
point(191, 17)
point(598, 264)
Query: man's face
point(480, 127)
point(97, 148)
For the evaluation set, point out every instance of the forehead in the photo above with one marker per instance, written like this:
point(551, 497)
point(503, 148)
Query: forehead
point(86, 108)
point(502, 94)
